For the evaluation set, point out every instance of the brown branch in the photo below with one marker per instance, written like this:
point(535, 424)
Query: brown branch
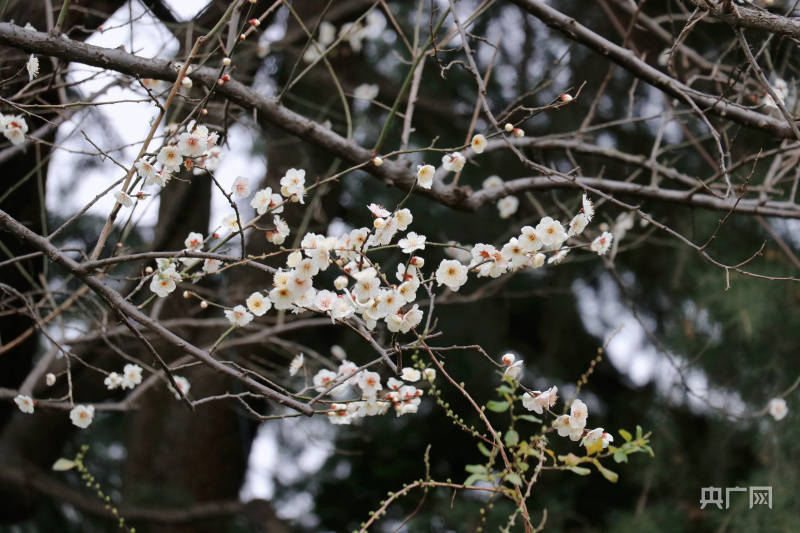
point(115, 301)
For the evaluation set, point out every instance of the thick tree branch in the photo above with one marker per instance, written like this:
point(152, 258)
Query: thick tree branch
point(642, 70)
point(115, 301)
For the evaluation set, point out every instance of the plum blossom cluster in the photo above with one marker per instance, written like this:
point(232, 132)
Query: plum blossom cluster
point(195, 150)
point(130, 377)
point(373, 399)
point(572, 425)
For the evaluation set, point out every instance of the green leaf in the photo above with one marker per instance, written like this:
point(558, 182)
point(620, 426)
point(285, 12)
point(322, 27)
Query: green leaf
point(608, 474)
point(581, 471)
point(504, 389)
point(473, 478)
point(620, 456)
point(484, 450)
point(497, 407)
point(475, 469)
point(513, 478)
point(511, 438)
point(638, 432)
point(625, 435)
point(530, 418)
point(63, 465)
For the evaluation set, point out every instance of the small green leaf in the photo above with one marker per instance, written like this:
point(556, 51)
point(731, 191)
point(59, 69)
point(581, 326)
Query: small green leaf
point(581, 471)
point(484, 450)
point(63, 465)
point(620, 456)
point(513, 478)
point(530, 418)
point(625, 435)
point(497, 407)
point(475, 469)
point(504, 389)
point(511, 438)
point(638, 432)
point(608, 474)
point(473, 478)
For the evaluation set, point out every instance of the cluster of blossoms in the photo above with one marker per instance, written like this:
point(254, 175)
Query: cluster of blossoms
point(572, 425)
point(399, 394)
point(353, 32)
point(195, 149)
point(14, 128)
point(165, 278)
point(130, 377)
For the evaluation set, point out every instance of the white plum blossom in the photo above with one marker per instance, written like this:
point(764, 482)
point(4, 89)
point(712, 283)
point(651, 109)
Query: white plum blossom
point(429, 373)
point(241, 188)
point(82, 415)
point(113, 381)
point(558, 256)
point(25, 403)
point(50, 379)
point(565, 429)
point(14, 128)
point(265, 200)
point(323, 379)
point(210, 266)
point(452, 274)
point(238, 316)
point(529, 239)
point(777, 408)
point(425, 175)
point(366, 92)
point(412, 242)
point(537, 261)
point(146, 171)
point(588, 207)
point(540, 401)
point(369, 383)
point(513, 368)
point(478, 143)
point(577, 224)
point(194, 241)
point(193, 144)
point(258, 304)
point(33, 67)
point(183, 386)
point(551, 232)
point(131, 376)
point(492, 181)
point(507, 206)
point(602, 243)
point(170, 157)
point(378, 210)
point(123, 198)
point(293, 184)
point(231, 223)
point(592, 437)
point(578, 413)
point(453, 161)
point(411, 374)
point(296, 364)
